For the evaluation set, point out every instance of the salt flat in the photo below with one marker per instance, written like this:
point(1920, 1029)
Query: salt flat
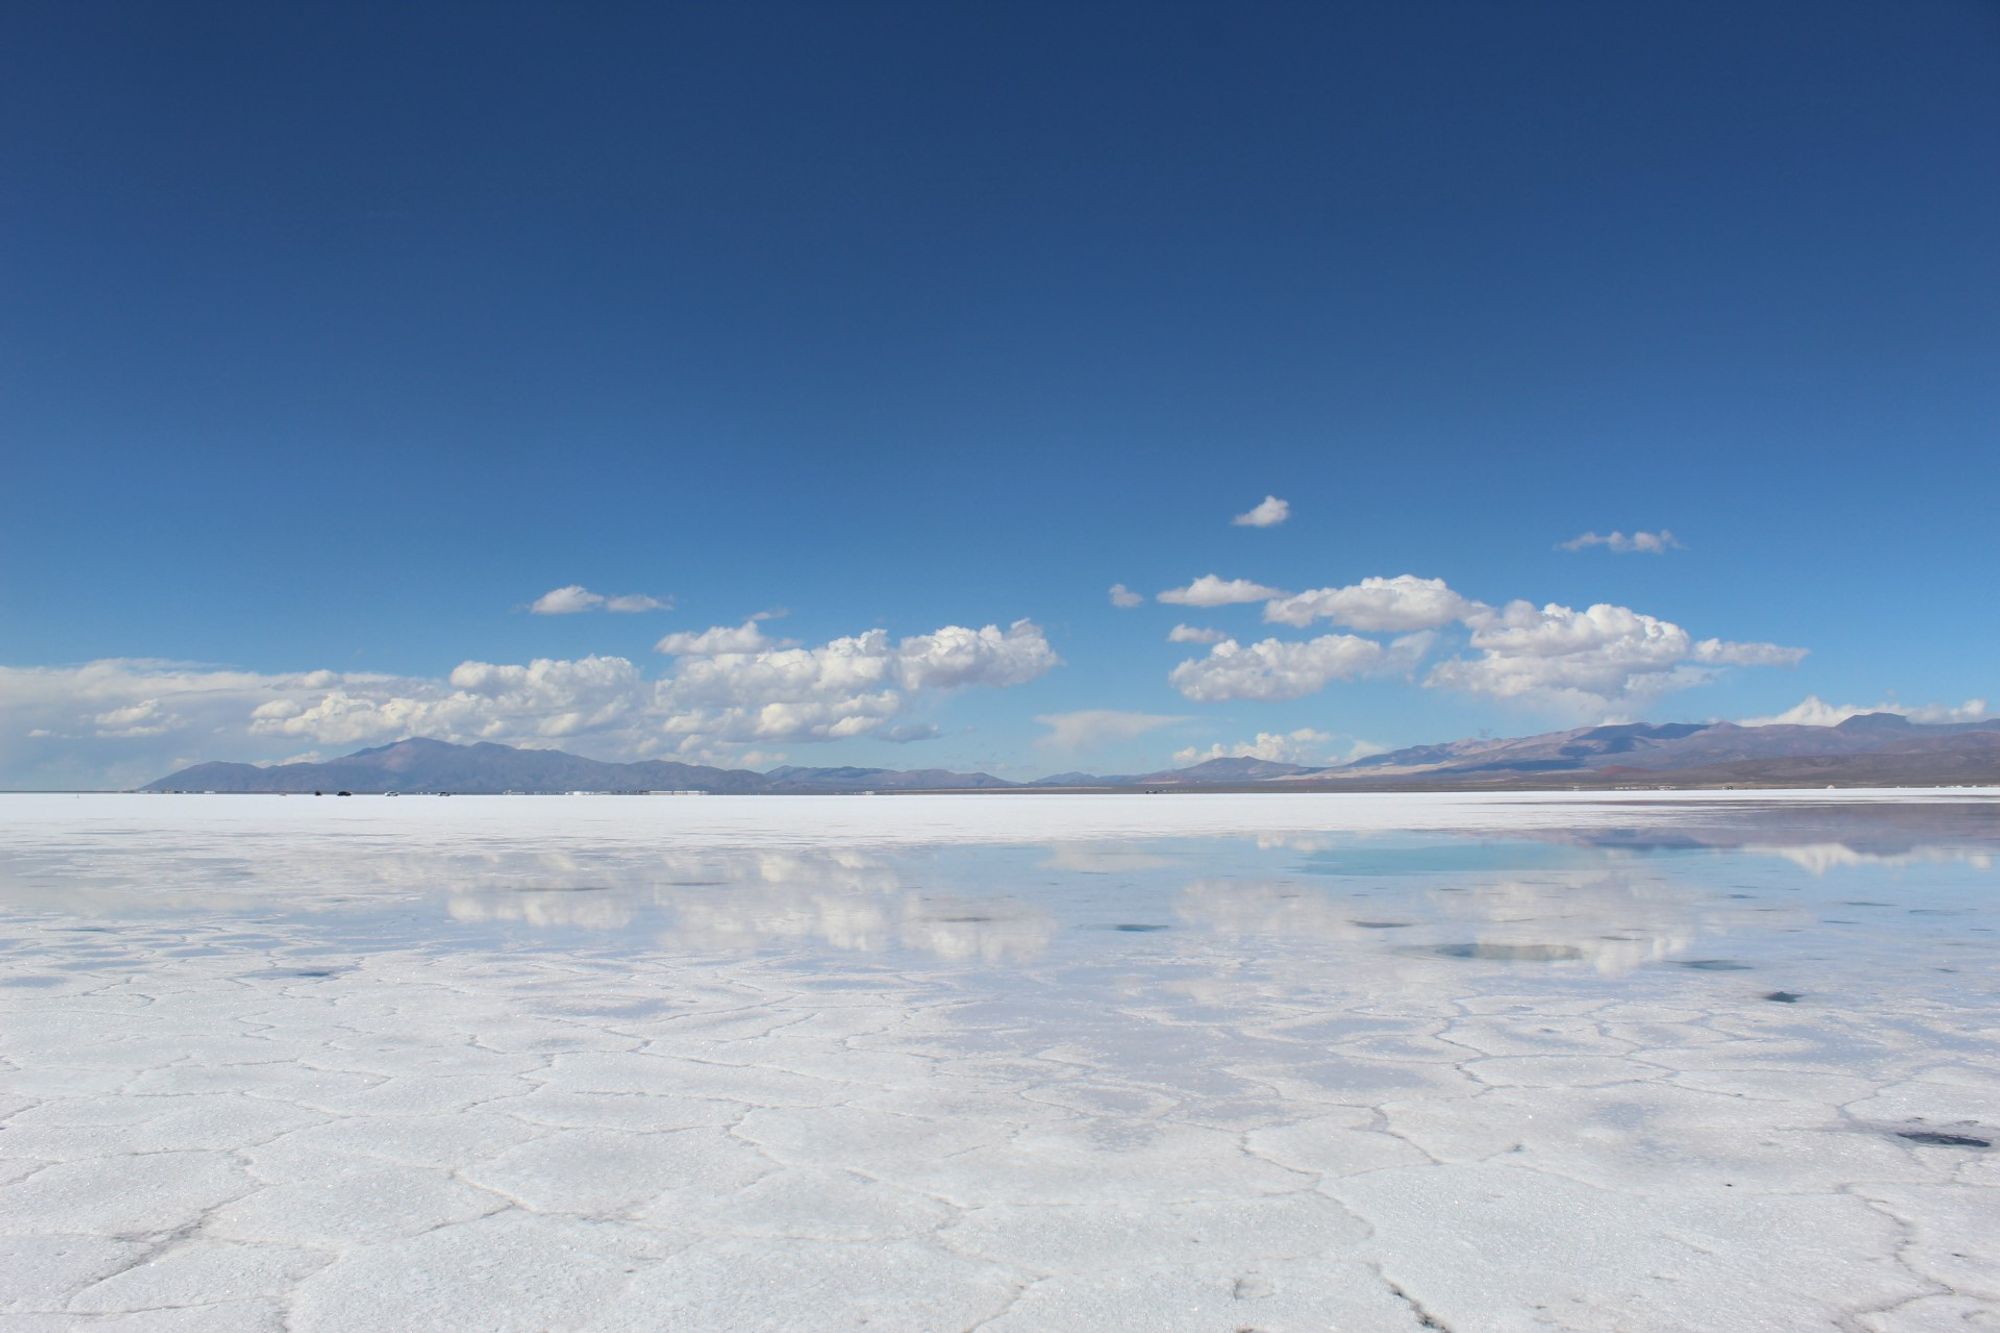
point(1641, 1061)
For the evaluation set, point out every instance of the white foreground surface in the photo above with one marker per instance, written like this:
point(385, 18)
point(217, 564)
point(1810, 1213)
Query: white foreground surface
point(1008, 1063)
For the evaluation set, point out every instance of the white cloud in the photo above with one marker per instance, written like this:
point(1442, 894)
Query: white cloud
point(127, 721)
point(632, 603)
point(1603, 661)
point(566, 601)
point(1089, 728)
point(1274, 669)
point(544, 700)
point(1304, 746)
point(846, 687)
point(1313, 749)
point(1404, 602)
point(1124, 598)
point(1194, 634)
point(956, 656)
point(1270, 512)
point(573, 598)
point(1812, 711)
point(1747, 654)
point(149, 717)
point(744, 638)
point(698, 750)
point(1211, 590)
point(1645, 543)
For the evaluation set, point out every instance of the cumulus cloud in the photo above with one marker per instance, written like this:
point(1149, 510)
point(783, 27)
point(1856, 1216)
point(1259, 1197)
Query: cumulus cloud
point(1644, 543)
point(1211, 590)
point(573, 598)
point(541, 701)
point(1812, 711)
point(1124, 598)
point(846, 687)
point(744, 638)
point(1089, 728)
point(1600, 661)
point(955, 656)
point(1268, 513)
point(146, 718)
point(1274, 669)
point(566, 601)
point(1375, 605)
point(126, 721)
point(1193, 634)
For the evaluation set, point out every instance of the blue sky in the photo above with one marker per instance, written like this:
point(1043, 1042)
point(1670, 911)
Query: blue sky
point(334, 336)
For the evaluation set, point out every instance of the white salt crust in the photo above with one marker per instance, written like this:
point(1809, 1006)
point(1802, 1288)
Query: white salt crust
point(840, 1095)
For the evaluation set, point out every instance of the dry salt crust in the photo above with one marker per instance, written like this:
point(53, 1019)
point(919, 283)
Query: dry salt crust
point(765, 1064)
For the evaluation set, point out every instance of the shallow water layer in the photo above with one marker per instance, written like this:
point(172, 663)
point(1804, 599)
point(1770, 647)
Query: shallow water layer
point(1006, 1062)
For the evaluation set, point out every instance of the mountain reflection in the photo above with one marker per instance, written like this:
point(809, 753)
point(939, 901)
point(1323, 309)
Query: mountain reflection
point(1814, 836)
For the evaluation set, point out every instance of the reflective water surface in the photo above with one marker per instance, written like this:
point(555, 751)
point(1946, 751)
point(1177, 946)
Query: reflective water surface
point(1012, 1062)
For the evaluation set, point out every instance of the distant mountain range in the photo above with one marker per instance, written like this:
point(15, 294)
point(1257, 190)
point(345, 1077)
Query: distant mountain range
point(1871, 749)
point(420, 765)
point(1874, 749)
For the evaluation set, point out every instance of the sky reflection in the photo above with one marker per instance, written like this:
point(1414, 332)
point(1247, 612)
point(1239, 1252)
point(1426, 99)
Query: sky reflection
point(1604, 897)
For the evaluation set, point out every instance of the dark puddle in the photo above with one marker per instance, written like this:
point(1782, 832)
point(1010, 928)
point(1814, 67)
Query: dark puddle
point(1513, 953)
point(1138, 927)
point(1382, 925)
point(1714, 965)
point(1938, 1139)
point(962, 920)
point(1784, 997)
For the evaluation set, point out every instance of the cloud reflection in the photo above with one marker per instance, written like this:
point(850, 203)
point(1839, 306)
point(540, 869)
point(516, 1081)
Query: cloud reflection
point(1611, 923)
point(742, 901)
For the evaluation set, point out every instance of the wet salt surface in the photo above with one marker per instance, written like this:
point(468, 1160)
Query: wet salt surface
point(1190, 1062)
